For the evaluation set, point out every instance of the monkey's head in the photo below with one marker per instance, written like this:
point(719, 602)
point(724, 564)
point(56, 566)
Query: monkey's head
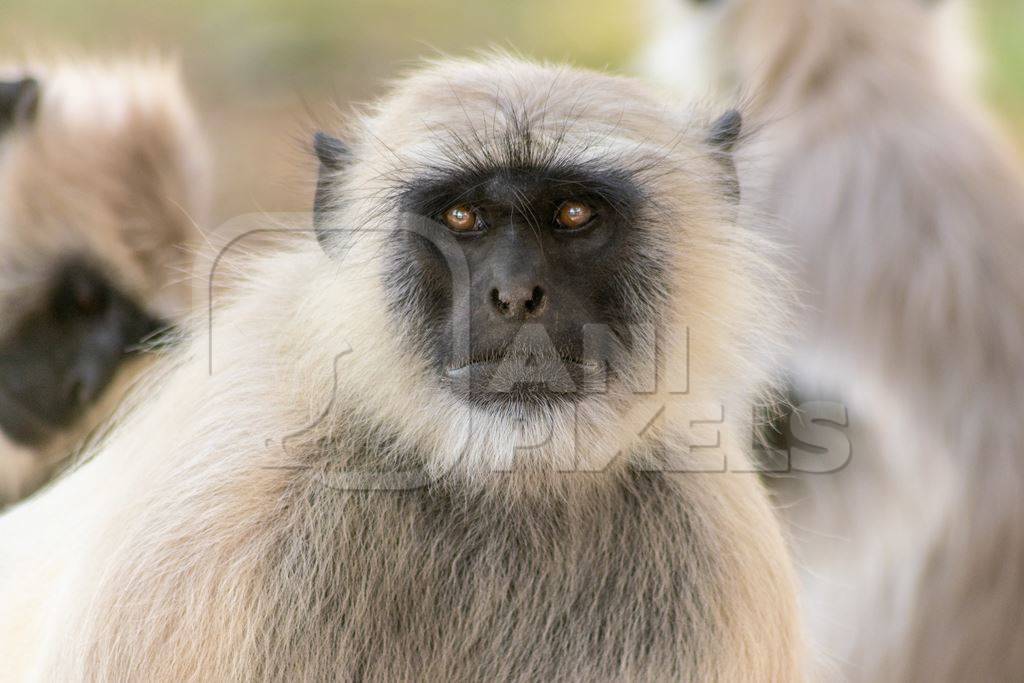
point(762, 47)
point(546, 240)
point(101, 180)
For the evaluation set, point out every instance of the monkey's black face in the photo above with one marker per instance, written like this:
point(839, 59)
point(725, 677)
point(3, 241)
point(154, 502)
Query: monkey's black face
point(524, 283)
point(62, 355)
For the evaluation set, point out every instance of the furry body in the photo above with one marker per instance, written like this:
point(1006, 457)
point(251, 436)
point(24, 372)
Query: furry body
point(908, 216)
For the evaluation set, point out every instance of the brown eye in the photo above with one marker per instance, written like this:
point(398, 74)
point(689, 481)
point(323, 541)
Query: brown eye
point(87, 298)
point(460, 218)
point(573, 215)
point(79, 294)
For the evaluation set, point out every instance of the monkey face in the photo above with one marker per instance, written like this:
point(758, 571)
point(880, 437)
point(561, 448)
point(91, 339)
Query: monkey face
point(58, 358)
point(535, 251)
point(532, 249)
point(520, 279)
point(100, 170)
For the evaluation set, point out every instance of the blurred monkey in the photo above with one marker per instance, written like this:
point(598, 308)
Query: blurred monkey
point(907, 212)
point(102, 175)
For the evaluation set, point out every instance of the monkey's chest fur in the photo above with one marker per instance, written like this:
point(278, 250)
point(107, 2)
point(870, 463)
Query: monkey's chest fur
point(590, 580)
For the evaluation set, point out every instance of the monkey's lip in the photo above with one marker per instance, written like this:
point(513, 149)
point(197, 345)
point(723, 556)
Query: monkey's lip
point(525, 375)
point(498, 359)
point(461, 367)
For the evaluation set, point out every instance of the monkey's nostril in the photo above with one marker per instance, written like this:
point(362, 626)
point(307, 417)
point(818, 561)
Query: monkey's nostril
point(536, 300)
point(516, 305)
point(498, 302)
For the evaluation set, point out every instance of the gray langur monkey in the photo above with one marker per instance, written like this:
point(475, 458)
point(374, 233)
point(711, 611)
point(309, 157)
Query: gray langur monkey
point(907, 212)
point(102, 175)
point(435, 446)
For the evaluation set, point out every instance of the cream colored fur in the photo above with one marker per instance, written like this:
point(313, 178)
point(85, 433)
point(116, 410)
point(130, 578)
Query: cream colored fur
point(908, 215)
point(229, 544)
point(112, 168)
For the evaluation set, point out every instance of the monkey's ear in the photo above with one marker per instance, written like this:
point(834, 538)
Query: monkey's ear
point(332, 152)
point(725, 131)
point(19, 101)
point(334, 156)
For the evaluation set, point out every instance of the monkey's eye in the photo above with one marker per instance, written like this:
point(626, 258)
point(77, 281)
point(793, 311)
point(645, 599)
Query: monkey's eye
point(461, 218)
point(573, 215)
point(87, 298)
point(79, 296)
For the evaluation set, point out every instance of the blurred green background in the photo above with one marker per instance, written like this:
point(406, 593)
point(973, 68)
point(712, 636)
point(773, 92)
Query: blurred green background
point(264, 72)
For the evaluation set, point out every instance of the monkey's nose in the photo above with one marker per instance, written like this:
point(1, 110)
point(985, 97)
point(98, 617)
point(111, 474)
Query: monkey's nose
point(83, 386)
point(519, 302)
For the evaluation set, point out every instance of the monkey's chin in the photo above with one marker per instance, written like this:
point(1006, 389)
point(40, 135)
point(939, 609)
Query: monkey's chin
point(515, 383)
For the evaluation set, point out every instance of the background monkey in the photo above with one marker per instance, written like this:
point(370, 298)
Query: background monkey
point(908, 215)
point(478, 220)
point(102, 175)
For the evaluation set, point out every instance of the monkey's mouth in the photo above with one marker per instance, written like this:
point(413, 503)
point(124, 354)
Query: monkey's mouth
point(525, 377)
